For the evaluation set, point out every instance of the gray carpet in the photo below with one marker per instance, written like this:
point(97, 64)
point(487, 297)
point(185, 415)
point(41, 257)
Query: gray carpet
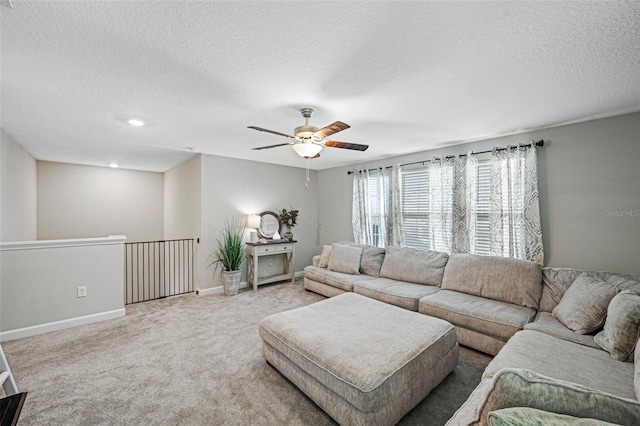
point(187, 360)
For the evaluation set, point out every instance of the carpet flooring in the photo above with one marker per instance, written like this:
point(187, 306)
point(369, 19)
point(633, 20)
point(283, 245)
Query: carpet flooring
point(187, 360)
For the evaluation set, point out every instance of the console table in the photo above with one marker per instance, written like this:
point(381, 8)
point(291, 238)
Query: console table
point(283, 249)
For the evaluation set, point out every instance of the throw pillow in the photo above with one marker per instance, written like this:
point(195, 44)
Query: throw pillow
point(324, 256)
point(583, 307)
point(620, 333)
point(532, 416)
point(371, 262)
point(345, 259)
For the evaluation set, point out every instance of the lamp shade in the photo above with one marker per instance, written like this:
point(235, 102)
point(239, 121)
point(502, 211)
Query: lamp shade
point(253, 221)
point(307, 149)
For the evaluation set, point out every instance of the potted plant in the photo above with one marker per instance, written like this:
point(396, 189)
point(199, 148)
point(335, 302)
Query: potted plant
point(288, 219)
point(228, 254)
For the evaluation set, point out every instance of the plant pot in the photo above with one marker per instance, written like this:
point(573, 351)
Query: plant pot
point(231, 282)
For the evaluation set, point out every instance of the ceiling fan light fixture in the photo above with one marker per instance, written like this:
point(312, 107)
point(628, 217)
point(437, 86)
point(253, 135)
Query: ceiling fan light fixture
point(307, 150)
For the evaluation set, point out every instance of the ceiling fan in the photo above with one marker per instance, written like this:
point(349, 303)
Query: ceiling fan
point(308, 140)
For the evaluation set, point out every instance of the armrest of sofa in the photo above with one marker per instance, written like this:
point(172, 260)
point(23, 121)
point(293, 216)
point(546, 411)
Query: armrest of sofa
point(316, 260)
point(511, 387)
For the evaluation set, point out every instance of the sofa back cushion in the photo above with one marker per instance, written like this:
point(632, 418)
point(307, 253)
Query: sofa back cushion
point(557, 280)
point(345, 259)
point(499, 278)
point(371, 260)
point(414, 266)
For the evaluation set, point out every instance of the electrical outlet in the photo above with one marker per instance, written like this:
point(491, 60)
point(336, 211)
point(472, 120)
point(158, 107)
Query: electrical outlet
point(82, 291)
point(270, 262)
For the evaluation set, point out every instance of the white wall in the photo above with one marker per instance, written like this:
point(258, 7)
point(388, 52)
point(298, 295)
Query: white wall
point(589, 182)
point(39, 280)
point(77, 201)
point(17, 191)
point(182, 202)
point(233, 187)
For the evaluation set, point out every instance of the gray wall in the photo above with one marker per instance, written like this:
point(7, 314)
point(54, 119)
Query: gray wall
point(17, 191)
point(182, 202)
point(233, 187)
point(589, 181)
point(77, 201)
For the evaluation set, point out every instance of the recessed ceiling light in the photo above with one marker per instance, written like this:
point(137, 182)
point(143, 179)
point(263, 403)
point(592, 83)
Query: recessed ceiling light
point(136, 122)
point(114, 165)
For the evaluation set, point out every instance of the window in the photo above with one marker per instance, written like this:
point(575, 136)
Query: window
point(375, 201)
point(415, 208)
point(427, 209)
point(483, 198)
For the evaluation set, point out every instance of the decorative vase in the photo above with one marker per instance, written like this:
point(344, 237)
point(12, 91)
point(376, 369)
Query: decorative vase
point(288, 235)
point(231, 282)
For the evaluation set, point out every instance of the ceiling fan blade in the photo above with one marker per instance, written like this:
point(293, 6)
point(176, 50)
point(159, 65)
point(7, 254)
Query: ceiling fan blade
point(260, 129)
point(329, 130)
point(346, 145)
point(272, 146)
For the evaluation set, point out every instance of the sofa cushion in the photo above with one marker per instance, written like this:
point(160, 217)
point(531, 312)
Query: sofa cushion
point(345, 259)
point(399, 293)
point(532, 416)
point(371, 261)
point(564, 360)
point(324, 256)
point(486, 316)
point(499, 278)
point(544, 322)
point(335, 279)
point(622, 326)
point(513, 387)
point(415, 266)
point(372, 257)
point(557, 280)
point(583, 307)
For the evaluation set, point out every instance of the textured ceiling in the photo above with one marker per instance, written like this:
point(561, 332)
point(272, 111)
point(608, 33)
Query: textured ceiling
point(407, 76)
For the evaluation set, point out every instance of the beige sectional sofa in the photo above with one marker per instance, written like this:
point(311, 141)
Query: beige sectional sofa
point(519, 312)
point(486, 298)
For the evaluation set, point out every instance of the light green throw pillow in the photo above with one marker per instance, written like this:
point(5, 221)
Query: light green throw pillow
point(525, 416)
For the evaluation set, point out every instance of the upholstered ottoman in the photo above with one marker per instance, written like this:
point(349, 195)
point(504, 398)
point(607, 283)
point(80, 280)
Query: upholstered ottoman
point(364, 362)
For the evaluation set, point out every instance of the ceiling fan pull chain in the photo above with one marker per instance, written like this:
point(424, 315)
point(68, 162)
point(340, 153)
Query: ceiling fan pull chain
point(306, 184)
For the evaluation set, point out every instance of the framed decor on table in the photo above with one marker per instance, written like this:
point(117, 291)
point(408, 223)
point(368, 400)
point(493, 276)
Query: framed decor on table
point(269, 224)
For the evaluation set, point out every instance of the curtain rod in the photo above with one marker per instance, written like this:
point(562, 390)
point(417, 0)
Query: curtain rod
point(539, 143)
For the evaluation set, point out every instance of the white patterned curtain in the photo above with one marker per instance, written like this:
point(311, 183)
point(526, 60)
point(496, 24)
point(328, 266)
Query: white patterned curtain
point(514, 212)
point(361, 213)
point(464, 210)
point(376, 215)
point(392, 215)
point(452, 203)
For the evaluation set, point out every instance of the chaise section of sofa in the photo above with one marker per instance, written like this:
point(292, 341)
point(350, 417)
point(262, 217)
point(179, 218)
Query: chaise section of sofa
point(577, 372)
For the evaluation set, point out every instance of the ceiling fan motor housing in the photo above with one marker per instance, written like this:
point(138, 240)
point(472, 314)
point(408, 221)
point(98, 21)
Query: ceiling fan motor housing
point(305, 132)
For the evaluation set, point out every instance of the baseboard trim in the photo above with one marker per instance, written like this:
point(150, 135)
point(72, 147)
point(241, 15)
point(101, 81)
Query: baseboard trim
point(217, 290)
point(34, 330)
point(243, 284)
